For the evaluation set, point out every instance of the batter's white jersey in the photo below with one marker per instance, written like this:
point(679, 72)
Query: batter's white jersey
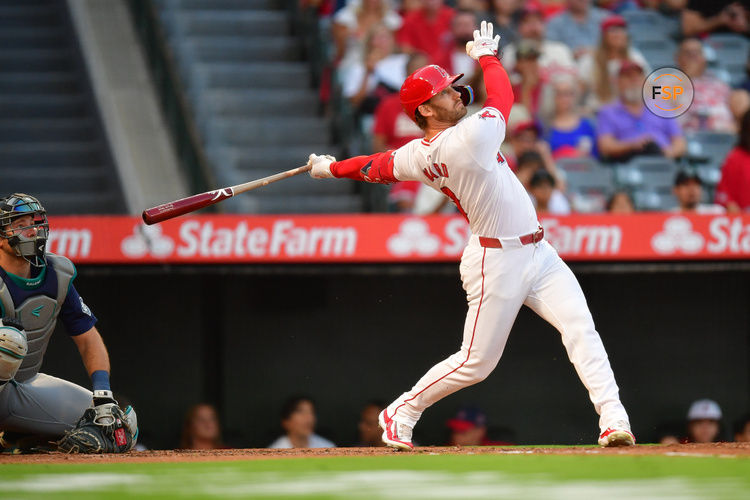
point(465, 163)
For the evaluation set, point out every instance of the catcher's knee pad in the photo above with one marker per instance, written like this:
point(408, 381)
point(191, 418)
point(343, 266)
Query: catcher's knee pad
point(13, 348)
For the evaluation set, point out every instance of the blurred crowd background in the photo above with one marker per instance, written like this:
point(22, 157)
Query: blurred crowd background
point(579, 135)
point(703, 422)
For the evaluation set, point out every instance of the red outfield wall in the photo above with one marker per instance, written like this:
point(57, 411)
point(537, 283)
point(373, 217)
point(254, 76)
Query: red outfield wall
point(385, 238)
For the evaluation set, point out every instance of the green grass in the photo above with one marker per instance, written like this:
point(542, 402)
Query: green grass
point(393, 476)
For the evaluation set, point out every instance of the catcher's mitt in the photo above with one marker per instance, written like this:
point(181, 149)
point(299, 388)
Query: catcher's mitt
point(104, 428)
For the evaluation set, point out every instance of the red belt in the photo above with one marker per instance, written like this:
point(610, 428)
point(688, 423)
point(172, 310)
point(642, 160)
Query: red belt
point(525, 239)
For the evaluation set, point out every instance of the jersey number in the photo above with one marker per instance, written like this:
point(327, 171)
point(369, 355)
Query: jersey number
point(450, 194)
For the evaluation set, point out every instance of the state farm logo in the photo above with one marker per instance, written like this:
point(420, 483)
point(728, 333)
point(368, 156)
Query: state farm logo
point(677, 235)
point(413, 236)
point(196, 239)
point(72, 243)
point(147, 240)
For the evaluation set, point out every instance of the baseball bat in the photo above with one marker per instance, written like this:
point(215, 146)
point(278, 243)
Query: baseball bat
point(183, 206)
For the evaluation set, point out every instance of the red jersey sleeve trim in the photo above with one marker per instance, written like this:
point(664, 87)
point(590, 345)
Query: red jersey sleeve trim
point(374, 168)
point(499, 89)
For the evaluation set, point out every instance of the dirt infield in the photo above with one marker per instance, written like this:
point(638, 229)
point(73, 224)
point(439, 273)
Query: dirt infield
point(713, 449)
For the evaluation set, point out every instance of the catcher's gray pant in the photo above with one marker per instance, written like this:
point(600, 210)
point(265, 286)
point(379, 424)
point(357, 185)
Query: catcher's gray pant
point(43, 405)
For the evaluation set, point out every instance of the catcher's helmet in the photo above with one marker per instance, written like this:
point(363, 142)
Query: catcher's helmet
point(31, 248)
point(427, 82)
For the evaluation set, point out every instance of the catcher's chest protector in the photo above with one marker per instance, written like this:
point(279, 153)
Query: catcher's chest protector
point(38, 314)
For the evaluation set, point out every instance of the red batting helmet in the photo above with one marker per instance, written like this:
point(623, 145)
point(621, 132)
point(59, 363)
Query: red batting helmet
point(423, 84)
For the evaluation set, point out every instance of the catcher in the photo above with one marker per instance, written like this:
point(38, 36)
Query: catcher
point(35, 289)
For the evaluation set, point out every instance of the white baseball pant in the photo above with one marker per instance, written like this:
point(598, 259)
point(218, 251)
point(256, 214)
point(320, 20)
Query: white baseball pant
point(498, 281)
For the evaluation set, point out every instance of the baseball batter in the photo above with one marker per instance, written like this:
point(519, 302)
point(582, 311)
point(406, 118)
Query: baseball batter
point(36, 288)
point(506, 264)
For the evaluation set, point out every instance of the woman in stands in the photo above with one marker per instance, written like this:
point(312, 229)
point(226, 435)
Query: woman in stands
point(201, 429)
point(733, 190)
point(599, 69)
point(568, 133)
point(382, 72)
point(352, 24)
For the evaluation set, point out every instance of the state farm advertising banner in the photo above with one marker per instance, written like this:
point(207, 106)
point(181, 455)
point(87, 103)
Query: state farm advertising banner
point(384, 238)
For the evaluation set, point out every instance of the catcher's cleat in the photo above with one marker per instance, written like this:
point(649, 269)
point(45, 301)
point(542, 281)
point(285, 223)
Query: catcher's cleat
point(617, 435)
point(395, 434)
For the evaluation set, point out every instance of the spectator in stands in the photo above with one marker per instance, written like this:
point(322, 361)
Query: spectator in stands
point(531, 162)
point(569, 134)
point(201, 429)
point(669, 433)
point(626, 128)
point(463, 24)
point(381, 73)
point(392, 127)
point(688, 189)
point(502, 15)
point(742, 429)
point(469, 428)
point(354, 22)
point(391, 130)
point(599, 69)
point(554, 56)
point(368, 426)
point(739, 100)
point(704, 422)
point(710, 107)
point(701, 17)
point(733, 190)
point(542, 191)
point(527, 86)
point(298, 422)
point(578, 26)
point(620, 203)
point(428, 30)
point(527, 136)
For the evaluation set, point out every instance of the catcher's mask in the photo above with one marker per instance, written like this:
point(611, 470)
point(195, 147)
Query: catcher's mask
point(31, 247)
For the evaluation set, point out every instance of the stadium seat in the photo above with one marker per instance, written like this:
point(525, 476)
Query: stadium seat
point(658, 52)
point(710, 174)
point(577, 164)
point(730, 51)
point(51, 139)
point(589, 189)
point(651, 200)
point(710, 146)
point(650, 25)
point(252, 97)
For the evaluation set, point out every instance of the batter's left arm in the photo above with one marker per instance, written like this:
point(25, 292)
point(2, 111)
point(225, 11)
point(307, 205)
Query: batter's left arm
point(373, 168)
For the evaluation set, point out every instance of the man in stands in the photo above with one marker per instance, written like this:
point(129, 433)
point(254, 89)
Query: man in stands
point(391, 130)
point(710, 107)
point(627, 129)
point(554, 56)
point(578, 26)
point(688, 189)
point(427, 30)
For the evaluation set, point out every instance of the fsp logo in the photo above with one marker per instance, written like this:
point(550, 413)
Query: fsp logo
point(668, 92)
